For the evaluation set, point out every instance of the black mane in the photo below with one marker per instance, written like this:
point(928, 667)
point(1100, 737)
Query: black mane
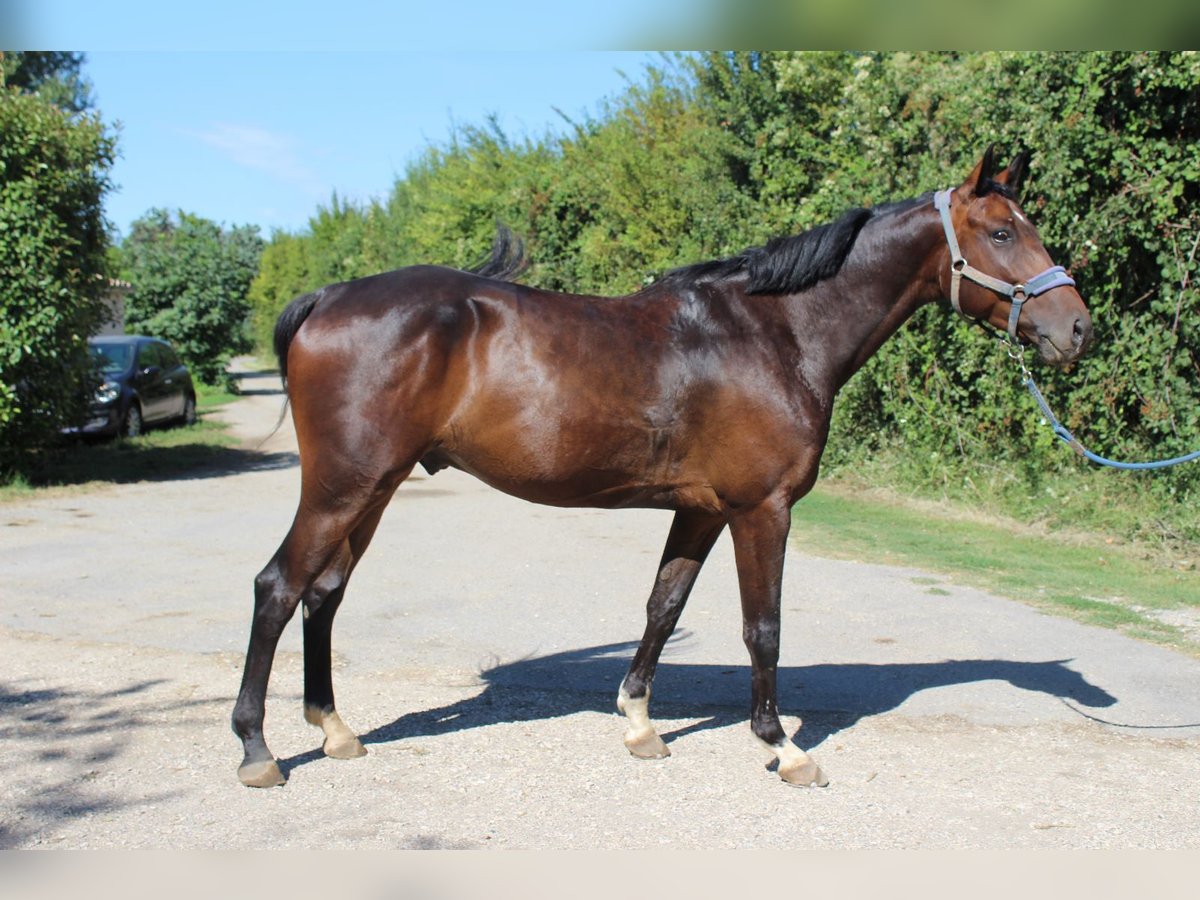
point(785, 265)
point(788, 265)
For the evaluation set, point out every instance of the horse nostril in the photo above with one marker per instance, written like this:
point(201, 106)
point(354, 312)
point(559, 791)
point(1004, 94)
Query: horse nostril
point(1082, 331)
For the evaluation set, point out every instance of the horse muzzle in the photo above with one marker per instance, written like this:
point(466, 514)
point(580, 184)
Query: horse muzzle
point(1062, 342)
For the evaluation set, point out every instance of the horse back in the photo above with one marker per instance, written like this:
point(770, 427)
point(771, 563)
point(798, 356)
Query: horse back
point(568, 399)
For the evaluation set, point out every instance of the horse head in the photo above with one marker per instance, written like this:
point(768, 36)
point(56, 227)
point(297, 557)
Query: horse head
point(1000, 273)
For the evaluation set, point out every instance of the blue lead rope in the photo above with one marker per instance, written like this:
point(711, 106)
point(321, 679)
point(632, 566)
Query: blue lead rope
point(1071, 441)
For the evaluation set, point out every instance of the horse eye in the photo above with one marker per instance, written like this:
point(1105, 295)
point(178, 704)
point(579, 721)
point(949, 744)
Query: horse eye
point(1002, 236)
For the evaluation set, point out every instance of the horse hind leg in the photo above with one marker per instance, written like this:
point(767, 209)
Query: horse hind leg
point(313, 547)
point(688, 544)
point(319, 610)
point(277, 592)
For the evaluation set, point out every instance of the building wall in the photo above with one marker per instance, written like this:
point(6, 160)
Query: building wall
point(115, 323)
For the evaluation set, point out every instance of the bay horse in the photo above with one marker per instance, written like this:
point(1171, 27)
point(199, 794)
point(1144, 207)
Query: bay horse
point(708, 393)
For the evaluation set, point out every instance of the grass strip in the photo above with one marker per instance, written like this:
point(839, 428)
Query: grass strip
point(1089, 579)
point(159, 454)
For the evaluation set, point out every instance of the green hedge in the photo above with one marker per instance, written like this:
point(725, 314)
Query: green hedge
point(54, 170)
point(709, 153)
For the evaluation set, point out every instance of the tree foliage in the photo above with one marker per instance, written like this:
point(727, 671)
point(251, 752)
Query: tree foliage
point(54, 171)
point(55, 76)
point(190, 282)
point(708, 154)
point(640, 190)
point(283, 274)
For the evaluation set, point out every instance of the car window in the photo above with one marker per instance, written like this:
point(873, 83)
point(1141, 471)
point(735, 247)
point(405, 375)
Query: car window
point(148, 356)
point(169, 359)
point(111, 358)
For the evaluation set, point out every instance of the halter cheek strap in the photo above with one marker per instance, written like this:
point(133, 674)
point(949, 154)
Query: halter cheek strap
point(1055, 276)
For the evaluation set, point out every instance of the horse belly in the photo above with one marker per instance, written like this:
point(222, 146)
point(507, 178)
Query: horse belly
point(566, 467)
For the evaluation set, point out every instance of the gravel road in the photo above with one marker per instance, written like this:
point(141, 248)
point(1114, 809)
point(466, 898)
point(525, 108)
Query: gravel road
point(479, 652)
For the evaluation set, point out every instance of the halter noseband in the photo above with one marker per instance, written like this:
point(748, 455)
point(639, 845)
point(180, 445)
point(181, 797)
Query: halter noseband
point(1055, 276)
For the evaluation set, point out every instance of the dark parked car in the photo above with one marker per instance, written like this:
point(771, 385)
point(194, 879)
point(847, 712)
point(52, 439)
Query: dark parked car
point(143, 382)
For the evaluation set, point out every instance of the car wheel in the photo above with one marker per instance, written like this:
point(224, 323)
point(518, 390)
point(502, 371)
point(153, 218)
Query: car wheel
point(131, 425)
point(189, 411)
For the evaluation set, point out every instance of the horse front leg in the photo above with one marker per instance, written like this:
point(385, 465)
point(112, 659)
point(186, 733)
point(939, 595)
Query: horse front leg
point(760, 542)
point(688, 544)
point(274, 604)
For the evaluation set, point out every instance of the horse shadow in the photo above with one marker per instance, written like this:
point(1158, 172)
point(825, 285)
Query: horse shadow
point(832, 696)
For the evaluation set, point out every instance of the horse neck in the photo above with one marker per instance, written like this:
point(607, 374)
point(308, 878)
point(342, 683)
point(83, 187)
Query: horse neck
point(890, 273)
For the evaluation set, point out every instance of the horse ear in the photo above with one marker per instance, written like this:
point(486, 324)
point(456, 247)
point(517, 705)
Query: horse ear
point(1014, 175)
point(982, 173)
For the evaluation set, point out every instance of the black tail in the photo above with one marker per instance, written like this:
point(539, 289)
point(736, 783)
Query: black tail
point(507, 259)
point(289, 323)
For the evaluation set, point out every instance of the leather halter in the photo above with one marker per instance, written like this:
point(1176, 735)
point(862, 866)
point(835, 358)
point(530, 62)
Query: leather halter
point(1055, 276)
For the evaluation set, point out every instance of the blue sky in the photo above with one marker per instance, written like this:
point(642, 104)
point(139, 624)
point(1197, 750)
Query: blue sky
point(255, 111)
point(354, 24)
point(263, 137)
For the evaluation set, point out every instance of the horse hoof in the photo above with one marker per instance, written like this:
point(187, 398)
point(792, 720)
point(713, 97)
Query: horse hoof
point(345, 749)
point(261, 774)
point(805, 774)
point(646, 745)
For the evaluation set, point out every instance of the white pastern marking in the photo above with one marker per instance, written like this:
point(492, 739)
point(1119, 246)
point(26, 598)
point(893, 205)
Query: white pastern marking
point(636, 710)
point(331, 723)
point(337, 731)
point(640, 737)
point(788, 754)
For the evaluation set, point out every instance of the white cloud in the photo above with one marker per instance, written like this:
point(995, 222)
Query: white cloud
point(266, 151)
